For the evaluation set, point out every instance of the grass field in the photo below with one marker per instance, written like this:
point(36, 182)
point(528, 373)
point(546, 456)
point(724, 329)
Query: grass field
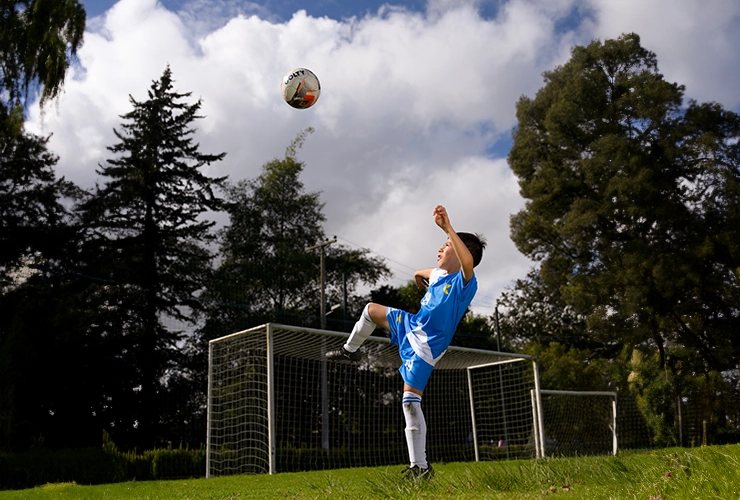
point(711, 472)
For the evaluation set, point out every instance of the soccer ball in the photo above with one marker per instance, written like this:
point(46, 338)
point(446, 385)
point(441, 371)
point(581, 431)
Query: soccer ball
point(300, 88)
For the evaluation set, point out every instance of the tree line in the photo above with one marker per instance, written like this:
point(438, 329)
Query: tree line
point(110, 296)
point(87, 334)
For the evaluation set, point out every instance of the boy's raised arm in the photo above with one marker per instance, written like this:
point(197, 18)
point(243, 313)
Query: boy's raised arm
point(463, 254)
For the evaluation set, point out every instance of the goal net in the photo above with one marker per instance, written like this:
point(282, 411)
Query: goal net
point(579, 423)
point(275, 404)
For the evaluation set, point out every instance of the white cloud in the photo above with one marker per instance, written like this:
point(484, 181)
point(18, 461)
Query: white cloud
point(410, 101)
point(696, 42)
point(479, 195)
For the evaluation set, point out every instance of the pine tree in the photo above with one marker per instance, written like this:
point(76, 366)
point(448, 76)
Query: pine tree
point(266, 274)
point(33, 221)
point(146, 225)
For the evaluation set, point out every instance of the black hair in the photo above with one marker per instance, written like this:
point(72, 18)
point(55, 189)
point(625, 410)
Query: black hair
point(475, 244)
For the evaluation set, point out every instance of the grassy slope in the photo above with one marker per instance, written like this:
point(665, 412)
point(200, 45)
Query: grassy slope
point(707, 473)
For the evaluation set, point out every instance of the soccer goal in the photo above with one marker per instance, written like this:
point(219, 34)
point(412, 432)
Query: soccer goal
point(275, 404)
point(578, 423)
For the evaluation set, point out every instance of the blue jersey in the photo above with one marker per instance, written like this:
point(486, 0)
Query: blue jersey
point(431, 329)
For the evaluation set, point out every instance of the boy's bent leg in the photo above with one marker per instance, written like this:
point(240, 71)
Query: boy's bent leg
point(378, 314)
point(361, 331)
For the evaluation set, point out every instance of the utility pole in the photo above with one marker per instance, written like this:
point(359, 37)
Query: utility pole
point(324, 382)
point(501, 382)
point(322, 285)
point(498, 329)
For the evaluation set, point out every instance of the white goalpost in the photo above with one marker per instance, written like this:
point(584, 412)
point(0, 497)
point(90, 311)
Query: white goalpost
point(498, 405)
point(578, 423)
point(275, 404)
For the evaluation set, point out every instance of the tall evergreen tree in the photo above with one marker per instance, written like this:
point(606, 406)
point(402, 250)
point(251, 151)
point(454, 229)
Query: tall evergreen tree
point(266, 274)
point(146, 225)
point(33, 221)
point(266, 269)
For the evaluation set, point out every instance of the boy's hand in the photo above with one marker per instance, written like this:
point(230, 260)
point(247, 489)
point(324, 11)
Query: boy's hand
point(441, 218)
point(421, 277)
point(421, 282)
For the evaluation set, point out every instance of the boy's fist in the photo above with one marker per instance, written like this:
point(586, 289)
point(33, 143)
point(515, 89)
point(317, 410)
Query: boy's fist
point(440, 217)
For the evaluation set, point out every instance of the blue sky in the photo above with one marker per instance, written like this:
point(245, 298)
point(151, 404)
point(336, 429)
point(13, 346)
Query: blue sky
point(417, 105)
point(284, 9)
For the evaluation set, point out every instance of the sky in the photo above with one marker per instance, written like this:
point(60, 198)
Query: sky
point(417, 105)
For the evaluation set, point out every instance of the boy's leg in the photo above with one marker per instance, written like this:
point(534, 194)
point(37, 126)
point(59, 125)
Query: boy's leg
point(372, 316)
point(416, 429)
point(416, 371)
point(416, 435)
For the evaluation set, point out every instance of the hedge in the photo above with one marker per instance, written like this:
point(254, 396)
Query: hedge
point(98, 466)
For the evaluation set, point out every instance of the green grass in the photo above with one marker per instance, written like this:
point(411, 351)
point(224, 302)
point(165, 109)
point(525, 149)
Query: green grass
point(683, 474)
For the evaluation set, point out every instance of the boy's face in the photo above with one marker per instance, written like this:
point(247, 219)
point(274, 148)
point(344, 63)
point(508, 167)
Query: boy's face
point(447, 259)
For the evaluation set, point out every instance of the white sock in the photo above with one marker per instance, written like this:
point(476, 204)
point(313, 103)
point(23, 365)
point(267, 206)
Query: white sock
point(362, 330)
point(416, 429)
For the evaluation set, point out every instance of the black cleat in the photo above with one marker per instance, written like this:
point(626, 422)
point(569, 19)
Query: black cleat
point(342, 353)
point(416, 473)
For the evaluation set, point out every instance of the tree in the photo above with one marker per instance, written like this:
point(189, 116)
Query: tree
point(266, 273)
point(37, 40)
point(56, 368)
point(478, 332)
point(567, 368)
point(146, 227)
point(530, 311)
point(633, 202)
point(35, 239)
point(33, 221)
point(406, 297)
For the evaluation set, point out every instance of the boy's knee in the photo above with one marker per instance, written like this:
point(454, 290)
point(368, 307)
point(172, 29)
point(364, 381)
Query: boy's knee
point(376, 312)
point(410, 408)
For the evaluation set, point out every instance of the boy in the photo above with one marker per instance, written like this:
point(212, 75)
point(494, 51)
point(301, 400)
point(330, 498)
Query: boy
point(423, 338)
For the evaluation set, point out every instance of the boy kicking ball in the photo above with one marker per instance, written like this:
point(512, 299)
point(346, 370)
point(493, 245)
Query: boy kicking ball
point(423, 338)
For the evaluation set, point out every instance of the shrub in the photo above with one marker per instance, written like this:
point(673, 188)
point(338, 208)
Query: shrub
point(98, 466)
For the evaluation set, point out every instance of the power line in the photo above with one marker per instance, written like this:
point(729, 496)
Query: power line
point(376, 253)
